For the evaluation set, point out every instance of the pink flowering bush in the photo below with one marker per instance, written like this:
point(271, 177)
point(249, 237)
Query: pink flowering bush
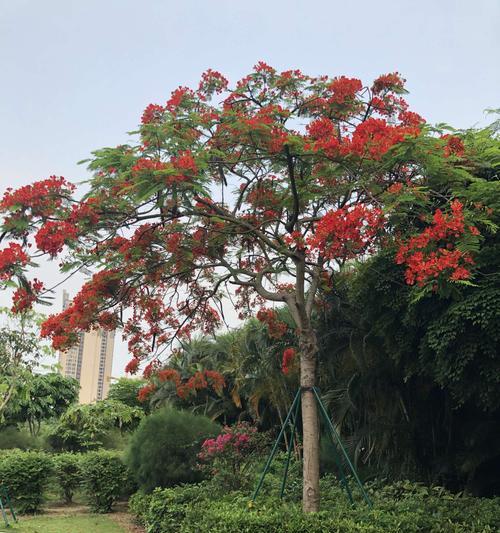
point(229, 457)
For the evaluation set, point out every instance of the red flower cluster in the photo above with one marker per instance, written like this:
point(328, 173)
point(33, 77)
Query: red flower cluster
point(152, 114)
point(212, 82)
point(41, 197)
point(388, 82)
point(434, 252)
point(287, 360)
point(198, 381)
point(344, 89)
point(454, 146)
point(11, 257)
point(146, 391)
point(81, 315)
point(374, 137)
point(143, 164)
point(186, 165)
point(276, 328)
point(321, 128)
point(132, 366)
point(52, 236)
point(235, 439)
point(178, 97)
point(346, 233)
point(24, 298)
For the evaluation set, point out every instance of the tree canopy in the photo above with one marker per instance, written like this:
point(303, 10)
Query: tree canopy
point(258, 193)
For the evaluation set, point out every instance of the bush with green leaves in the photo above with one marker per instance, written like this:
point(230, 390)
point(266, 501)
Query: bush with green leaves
point(163, 451)
point(14, 437)
point(85, 427)
point(403, 507)
point(25, 475)
point(68, 474)
point(104, 479)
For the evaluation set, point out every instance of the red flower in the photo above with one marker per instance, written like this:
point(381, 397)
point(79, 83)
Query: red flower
point(344, 233)
point(388, 82)
point(146, 165)
point(276, 328)
point(321, 128)
point(344, 89)
point(454, 146)
point(132, 366)
point(433, 252)
point(288, 357)
point(24, 298)
point(52, 236)
point(146, 392)
point(152, 114)
point(11, 257)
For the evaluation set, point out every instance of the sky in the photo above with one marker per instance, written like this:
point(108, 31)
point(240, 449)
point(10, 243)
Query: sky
point(76, 75)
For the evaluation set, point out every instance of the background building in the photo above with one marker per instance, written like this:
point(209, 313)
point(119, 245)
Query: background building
point(90, 362)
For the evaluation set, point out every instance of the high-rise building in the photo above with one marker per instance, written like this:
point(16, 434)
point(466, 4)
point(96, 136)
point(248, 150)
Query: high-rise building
point(90, 362)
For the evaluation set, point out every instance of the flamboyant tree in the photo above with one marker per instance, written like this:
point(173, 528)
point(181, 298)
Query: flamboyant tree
point(258, 193)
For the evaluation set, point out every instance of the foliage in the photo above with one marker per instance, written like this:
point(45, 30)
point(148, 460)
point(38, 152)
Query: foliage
point(404, 506)
point(104, 478)
point(126, 390)
point(85, 427)
point(20, 350)
point(14, 437)
point(26, 475)
point(230, 457)
point(264, 190)
point(67, 472)
point(48, 396)
point(163, 450)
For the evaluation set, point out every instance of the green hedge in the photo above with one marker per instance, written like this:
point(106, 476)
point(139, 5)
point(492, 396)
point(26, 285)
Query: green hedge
point(68, 474)
point(398, 508)
point(104, 479)
point(26, 476)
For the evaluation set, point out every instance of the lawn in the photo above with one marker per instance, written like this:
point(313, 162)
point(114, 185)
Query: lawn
point(64, 524)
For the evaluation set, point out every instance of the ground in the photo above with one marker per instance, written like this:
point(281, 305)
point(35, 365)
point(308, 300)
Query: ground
point(73, 519)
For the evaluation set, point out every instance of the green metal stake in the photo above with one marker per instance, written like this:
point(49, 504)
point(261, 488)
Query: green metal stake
point(3, 513)
point(341, 446)
point(275, 447)
point(290, 446)
point(9, 503)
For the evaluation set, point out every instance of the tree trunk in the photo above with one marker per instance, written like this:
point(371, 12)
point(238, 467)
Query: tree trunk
point(310, 423)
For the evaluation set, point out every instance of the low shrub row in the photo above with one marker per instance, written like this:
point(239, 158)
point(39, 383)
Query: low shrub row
point(102, 475)
point(398, 508)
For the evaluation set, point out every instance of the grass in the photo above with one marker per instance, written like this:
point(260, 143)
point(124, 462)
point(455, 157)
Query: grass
point(63, 524)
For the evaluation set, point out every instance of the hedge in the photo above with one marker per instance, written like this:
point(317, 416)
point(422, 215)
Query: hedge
point(26, 476)
point(398, 508)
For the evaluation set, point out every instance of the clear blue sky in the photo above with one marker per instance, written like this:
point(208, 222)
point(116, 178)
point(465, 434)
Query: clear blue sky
point(76, 74)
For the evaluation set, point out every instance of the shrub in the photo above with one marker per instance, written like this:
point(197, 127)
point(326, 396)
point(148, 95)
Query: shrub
point(166, 509)
point(12, 437)
point(26, 475)
point(405, 507)
point(68, 474)
point(232, 455)
point(104, 478)
point(163, 450)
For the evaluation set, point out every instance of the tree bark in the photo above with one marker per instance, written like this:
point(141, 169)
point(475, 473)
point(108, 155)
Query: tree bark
point(310, 424)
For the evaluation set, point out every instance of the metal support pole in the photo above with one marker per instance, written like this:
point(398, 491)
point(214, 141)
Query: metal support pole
point(336, 436)
point(275, 447)
point(290, 446)
point(3, 513)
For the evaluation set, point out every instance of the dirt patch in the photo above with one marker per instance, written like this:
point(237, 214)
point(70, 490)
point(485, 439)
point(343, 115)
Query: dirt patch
point(126, 521)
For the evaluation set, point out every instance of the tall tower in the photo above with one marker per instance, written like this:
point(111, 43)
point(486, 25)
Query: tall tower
point(90, 361)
